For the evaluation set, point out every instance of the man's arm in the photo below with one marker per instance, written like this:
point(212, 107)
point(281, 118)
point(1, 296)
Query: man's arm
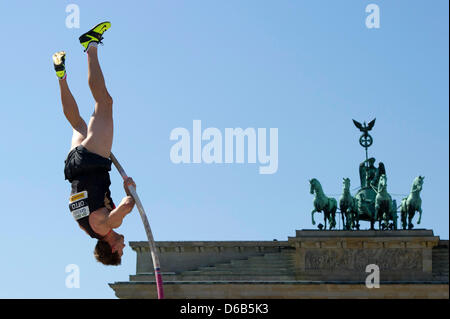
point(117, 215)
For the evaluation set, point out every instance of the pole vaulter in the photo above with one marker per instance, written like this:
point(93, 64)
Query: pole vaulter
point(88, 163)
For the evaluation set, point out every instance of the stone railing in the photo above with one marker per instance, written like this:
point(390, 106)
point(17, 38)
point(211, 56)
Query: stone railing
point(178, 256)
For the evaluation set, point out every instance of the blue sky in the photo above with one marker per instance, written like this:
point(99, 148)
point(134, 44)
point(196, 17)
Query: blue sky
point(304, 67)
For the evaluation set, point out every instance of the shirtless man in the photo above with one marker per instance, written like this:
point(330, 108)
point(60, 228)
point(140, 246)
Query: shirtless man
point(87, 165)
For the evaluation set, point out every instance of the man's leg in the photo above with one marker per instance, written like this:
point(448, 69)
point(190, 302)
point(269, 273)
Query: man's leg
point(72, 114)
point(100, 129)
point(69, 104)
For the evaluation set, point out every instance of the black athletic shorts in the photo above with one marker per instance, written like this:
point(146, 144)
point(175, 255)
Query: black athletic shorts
point(89, 175)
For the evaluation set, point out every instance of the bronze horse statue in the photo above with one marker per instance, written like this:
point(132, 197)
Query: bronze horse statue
point(412, 203)
point(348, 207)
point(324, 204)
point(385, 208)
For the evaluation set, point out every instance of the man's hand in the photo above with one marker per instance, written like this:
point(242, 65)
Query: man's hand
point(128, 181)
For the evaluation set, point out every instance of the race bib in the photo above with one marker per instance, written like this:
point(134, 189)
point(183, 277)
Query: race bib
point(78, 205)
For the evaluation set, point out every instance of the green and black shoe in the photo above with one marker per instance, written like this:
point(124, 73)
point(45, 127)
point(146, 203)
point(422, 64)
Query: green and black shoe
point(59, 59)
point(94, 35)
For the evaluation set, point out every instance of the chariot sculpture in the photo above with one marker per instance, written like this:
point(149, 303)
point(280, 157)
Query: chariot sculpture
point(372, 202)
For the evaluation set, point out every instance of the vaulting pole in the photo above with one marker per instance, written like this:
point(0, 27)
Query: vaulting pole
point(151, 241)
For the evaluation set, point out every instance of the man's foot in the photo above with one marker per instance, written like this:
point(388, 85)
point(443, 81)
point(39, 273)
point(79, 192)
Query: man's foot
point(59, 59)
point(95, 35)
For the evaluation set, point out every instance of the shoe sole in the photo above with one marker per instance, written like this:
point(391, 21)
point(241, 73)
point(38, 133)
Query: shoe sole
point(59, 57)
point(99, 28)
point(106, 26)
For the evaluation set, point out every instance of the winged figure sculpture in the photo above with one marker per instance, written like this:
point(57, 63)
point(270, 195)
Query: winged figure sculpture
point(363, 127)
